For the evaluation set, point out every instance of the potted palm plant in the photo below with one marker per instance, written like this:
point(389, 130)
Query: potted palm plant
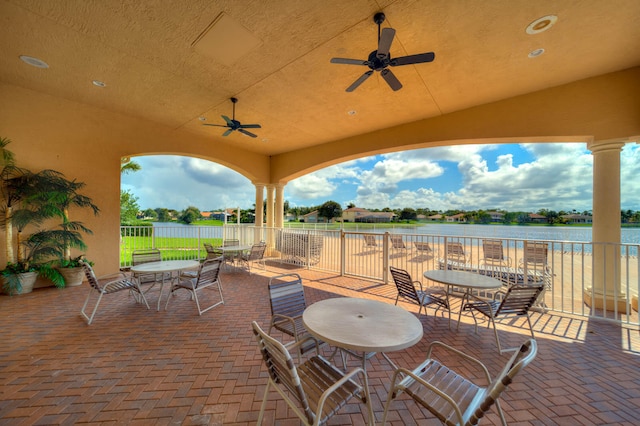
point(30, 199)
point(59, 194)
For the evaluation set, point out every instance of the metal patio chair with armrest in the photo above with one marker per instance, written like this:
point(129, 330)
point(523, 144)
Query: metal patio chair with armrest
point(287, 301)
point(451, 397)
point(516, 301)
point(456, 259)
point(230, 257)
point(141, 256)
point(208, 278)
point(212, 252)
point(315, 389)
point(110, 287)
point(255, 255)
point(407, 290)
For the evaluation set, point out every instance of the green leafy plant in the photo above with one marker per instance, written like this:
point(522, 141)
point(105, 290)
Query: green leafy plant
point(30, 199)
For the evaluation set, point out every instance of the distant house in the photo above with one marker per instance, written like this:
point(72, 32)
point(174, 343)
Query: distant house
point(435, 217)
point(537, 218)
point(577, 218)
point(218, 216)
point(456, 218)
point(357, 214)
point(351, 214)
point(314, 217)
point(206, 215)
point(421, 217)
point(376, 217)
point(496, 216)
point(290, 217)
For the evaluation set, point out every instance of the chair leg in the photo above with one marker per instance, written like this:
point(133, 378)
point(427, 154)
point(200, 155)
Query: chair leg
point(263, 406)
point(95, 308)
point(495, 332)
point(500, 413)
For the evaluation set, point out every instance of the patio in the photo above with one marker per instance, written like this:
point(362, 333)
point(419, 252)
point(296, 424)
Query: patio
point(172, 367)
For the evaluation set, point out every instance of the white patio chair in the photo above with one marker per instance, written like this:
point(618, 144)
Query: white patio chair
point(110, 287)
point(315, 390)
point(450, 396)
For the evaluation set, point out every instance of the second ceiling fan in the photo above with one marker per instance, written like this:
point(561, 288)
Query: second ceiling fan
point(233, 124)
point(380, 59)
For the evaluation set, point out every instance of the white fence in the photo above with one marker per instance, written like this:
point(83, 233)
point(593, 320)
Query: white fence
point(568, 267)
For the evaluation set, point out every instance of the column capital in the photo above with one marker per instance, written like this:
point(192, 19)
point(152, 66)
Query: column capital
point(610, 145)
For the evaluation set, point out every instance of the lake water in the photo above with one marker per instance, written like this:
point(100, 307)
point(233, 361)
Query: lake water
point(549, 233)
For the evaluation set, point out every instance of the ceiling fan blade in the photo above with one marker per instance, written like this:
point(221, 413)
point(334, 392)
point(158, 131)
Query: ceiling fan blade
point(216, 125)
point(247, 133)
point(384, 44)
point(359, 81)
point(391, 80)
point(349, 61)
point(413, 59)
point(250, 126)
point(227, 133)
point(227, 119)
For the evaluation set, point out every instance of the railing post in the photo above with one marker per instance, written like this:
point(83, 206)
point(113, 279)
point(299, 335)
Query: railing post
point(343, 252)
point(385, 258)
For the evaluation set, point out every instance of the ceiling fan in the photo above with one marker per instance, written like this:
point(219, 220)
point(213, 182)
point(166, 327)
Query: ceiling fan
point(233, 124)
point(380, 59)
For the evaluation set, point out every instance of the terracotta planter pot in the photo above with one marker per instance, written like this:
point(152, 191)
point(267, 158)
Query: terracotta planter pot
point(72, 276)
point(27, 280)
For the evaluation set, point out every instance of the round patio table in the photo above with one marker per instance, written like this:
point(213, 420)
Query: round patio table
point(467, 280)
point(163, 267)
point(362, 325)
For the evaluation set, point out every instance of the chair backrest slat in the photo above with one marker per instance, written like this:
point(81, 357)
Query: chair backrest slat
point(535, 253)
point(91, 276)
point(404, 284)
point(138, 257)
point(209, 272)
point(455, 252)
point(257, 251)
point(397, 242)
point(492, 249)
point(282, 369)
point(519, 299)
point(286, 295)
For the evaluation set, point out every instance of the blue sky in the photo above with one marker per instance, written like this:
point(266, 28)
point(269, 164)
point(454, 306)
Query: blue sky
point(514, 177)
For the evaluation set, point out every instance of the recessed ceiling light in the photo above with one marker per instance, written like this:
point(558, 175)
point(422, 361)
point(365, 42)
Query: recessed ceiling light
point(352, 112)
point(99, 83)
point(536, 53)
point(541, 24)
point(202, 118)
point(38, 63)
point(265, 140)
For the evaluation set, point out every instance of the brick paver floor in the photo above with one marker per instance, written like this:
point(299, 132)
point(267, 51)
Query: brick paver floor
point(134, 366)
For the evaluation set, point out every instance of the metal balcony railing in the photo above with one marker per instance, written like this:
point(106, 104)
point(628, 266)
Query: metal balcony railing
point(582, 278)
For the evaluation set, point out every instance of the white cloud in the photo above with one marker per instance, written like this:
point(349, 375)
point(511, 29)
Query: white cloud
point(551, 176)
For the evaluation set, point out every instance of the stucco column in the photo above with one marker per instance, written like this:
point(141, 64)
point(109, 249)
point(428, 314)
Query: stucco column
point(606, 291)
point(259, 217)
point(279, 213)
point(270, 220)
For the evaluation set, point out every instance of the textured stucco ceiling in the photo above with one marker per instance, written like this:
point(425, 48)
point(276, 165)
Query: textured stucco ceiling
point(145, 53)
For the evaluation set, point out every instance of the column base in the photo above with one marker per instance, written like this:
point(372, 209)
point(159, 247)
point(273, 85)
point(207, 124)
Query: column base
point(634, 303)
point(608, 302)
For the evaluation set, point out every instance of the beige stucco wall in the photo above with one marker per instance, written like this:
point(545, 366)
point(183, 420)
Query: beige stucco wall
point(87, 143)
point(600, 108)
